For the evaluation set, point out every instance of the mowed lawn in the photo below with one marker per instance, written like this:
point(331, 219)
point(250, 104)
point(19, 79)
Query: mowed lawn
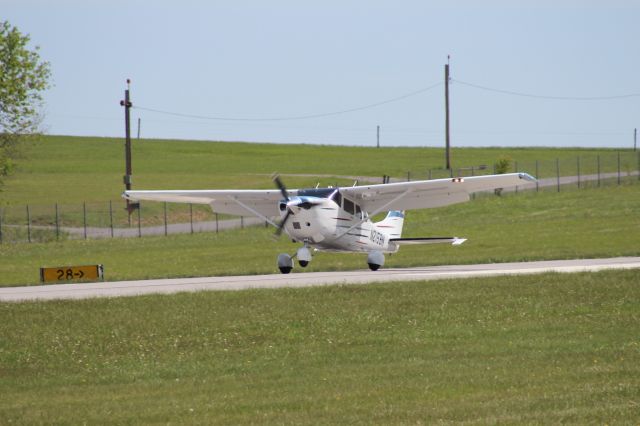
point(544, 349)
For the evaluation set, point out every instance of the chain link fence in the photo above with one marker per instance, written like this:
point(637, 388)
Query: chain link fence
point(42, 223)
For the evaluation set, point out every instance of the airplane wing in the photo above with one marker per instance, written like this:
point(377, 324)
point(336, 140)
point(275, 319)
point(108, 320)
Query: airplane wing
point(260, 203)
point(428, 193)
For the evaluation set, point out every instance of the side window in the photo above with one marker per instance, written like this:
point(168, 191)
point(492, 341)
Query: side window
point(349, 206)
point(358, 210)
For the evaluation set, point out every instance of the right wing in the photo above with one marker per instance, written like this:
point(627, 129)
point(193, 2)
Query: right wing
point(238, 202)
point(424, 194)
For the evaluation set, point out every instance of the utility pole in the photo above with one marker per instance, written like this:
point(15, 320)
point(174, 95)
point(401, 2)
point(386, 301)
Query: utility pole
point(446, 120)
point(635, 139)
point(378, 138)
point(126, 103)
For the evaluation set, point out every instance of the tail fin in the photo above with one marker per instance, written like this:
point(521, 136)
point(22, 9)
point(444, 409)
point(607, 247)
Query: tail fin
point(392, 224)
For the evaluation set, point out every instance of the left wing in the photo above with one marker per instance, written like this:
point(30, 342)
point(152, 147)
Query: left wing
point(424, 194)
point(260, 203)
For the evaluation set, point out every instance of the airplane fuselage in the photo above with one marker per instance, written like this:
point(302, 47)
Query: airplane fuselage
point(326, 225)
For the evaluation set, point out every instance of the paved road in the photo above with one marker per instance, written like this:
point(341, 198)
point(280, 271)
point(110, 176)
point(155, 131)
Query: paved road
point(168, 286)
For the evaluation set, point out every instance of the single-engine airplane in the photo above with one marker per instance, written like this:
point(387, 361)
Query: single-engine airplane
point(339, 219)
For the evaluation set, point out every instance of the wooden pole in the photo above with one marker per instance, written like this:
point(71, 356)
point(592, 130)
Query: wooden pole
point(446, 119)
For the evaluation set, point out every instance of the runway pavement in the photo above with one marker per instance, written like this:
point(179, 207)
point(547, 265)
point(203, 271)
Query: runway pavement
point(176, 285)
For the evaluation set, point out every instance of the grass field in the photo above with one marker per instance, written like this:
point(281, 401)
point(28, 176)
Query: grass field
point(66, 170)
point(584, 223)
point(545, 349)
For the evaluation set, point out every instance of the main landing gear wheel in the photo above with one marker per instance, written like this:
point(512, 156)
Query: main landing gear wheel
point(285, 263)
point(375, 260)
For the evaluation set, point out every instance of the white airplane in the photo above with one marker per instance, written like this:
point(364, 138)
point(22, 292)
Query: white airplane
point(339, 219)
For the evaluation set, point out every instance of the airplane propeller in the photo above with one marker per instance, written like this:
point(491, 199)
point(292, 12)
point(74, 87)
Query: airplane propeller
point(281, 187)
point(285, 195)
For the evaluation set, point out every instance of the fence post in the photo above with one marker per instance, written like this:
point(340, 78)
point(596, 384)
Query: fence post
point(618, 167)
point(57, 223)
point(165, 219)
point(558, 172)
point(111, 217)
point(191, 216)
point(408, 176)
point(216, 223)
point(28, 224)
point(537, 178)
point(638, 166)
point(84, 216)
point(598, 158)
point(139, 226)
point(578, 160)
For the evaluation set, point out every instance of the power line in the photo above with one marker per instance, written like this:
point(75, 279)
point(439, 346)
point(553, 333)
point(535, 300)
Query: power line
point(297, 117)
point(557, 98)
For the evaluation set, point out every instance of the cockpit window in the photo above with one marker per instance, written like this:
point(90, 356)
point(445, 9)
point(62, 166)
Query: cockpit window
point(349, 207)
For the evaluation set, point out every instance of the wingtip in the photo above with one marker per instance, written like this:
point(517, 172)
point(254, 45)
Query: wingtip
point(527, 177)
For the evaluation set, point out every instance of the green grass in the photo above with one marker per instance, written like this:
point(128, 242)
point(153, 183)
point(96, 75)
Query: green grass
point(72, 170)
point(586, 223)
point(545, 349)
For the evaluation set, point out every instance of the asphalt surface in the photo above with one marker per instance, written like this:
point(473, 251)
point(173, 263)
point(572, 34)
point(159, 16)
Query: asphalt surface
point(169, 286)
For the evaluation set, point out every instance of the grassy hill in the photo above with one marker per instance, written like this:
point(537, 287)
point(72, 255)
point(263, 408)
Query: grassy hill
point(64, 169)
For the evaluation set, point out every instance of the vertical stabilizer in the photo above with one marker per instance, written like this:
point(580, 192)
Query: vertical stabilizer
point(392, 224)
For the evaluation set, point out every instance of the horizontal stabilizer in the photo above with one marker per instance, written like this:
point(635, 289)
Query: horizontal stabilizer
point(429, 240)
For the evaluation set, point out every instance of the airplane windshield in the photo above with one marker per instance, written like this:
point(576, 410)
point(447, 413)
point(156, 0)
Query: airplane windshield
point(317, 192)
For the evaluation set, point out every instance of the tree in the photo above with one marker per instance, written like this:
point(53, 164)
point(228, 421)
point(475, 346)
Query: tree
point(23, 79)
point(501, 167)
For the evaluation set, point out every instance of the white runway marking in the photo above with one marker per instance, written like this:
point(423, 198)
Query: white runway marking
point(176, 285)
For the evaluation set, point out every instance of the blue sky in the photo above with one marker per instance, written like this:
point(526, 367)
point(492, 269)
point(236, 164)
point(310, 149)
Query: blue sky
point(276, 59)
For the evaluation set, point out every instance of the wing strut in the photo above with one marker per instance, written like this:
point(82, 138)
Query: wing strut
point(250, 210)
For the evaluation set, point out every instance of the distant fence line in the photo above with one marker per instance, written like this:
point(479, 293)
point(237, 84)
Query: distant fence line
point(41, 223)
